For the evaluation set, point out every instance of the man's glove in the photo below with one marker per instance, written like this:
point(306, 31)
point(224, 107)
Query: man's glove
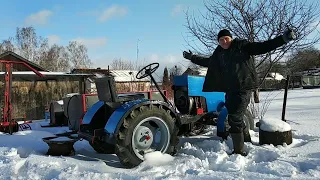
point(289, 35)
point(187, 55)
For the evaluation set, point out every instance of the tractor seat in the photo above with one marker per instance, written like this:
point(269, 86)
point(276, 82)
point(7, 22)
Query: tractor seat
point(106, 88)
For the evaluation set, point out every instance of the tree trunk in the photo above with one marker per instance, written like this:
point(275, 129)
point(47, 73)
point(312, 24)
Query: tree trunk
point(275, 138)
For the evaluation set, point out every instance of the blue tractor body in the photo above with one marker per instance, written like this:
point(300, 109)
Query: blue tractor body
point(126, 124)
point(194, 85)
point(189, 97)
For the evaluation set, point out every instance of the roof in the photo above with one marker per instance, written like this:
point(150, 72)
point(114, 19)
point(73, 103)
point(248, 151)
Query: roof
point(90, 71)
point(119, 75)
point(31, 76)
point(6, 56)
point(127, 76)
point(202, 71)
point(196, 71)
point(311, 71)
point(274, 76)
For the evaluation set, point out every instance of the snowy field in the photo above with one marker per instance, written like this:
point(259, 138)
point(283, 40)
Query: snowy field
point(22, 155)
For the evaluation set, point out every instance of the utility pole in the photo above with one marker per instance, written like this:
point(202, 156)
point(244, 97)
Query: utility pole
point(138, 50)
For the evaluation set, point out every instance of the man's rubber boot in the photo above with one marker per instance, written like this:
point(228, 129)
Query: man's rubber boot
point(246, 136)
point(238, 143)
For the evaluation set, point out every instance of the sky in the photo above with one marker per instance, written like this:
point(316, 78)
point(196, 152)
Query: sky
point(109, 29)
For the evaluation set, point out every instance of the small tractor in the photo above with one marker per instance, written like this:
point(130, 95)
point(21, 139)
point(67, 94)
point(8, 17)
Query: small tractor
point(132, 126)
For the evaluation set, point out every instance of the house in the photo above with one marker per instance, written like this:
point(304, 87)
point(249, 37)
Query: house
point(126, 81)
point(11, 56)
point(195, 71)
point(274, 76)
point(273, 81)
point(310, 78)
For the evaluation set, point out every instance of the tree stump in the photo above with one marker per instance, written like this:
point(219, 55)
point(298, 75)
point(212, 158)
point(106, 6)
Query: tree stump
point(274, 132)
point(60, 146)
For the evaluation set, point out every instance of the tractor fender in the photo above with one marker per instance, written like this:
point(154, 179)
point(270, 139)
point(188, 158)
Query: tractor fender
point(220, 106)
point(91, 112)
point(223, 114)
point(118, 116)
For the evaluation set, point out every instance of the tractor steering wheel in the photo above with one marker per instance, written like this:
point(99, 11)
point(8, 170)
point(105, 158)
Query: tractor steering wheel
point(147, 70)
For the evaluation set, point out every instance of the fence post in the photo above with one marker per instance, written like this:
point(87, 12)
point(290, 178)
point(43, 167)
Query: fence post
point(285, 99)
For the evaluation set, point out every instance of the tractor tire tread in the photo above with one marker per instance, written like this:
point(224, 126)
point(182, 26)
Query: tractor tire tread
point(123, 148)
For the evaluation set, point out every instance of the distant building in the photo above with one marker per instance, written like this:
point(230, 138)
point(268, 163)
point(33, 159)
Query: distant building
point(11, 56)
point(273, 81)
point(126, 80)
point(195, 71)
point(30, 94)
point(310, 78)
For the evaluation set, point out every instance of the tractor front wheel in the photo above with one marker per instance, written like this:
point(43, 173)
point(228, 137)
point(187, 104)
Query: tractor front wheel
point(146, 129)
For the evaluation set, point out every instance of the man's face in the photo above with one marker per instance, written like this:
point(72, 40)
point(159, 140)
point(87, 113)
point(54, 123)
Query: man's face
point(225, 42)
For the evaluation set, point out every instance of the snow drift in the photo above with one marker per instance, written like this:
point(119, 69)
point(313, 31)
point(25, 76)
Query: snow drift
point(22, 155)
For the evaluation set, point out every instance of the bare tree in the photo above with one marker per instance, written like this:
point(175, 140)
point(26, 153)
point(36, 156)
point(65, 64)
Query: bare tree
point(78, 56)
point(176, 70)
point(29, 43)
point(55, 59)
point(120, 64)
point(36, 49)
point(255, 21)
point(7, 45)
point(302, 60)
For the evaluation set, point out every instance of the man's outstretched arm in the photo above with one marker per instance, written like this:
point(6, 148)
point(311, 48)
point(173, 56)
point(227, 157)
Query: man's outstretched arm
point(200, 60)
point(196, 59)
point(256, 48)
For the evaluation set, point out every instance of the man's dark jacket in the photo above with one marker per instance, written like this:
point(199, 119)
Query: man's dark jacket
point(234, 69)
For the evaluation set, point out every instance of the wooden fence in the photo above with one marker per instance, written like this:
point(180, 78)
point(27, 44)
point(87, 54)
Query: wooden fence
point(30, 99)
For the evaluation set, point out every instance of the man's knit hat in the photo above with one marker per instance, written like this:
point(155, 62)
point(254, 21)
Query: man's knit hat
point(224, 32)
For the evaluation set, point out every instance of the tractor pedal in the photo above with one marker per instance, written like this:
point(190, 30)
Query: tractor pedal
point(99, 132)
point(186, 119)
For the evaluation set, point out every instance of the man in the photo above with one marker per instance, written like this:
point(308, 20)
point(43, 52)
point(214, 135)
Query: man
point(231, 69)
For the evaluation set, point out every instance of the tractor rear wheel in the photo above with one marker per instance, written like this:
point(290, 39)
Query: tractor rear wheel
point(146, 129)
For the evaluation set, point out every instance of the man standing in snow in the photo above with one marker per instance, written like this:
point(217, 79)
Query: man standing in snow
point(231, 69)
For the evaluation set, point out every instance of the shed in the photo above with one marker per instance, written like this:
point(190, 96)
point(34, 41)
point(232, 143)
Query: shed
point(11, 56)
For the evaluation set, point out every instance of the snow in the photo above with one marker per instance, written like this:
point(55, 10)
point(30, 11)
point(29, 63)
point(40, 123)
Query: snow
point(22, 155)
point(63, 138)
point(60, 102)
point(127, 76)
point(277, 76)
point(43, 73)
point(71, 94)
point(157, 158)
point(274, 125)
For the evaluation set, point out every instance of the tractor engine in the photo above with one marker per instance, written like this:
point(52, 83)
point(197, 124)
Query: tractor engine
point(186, 104)
point(190, 100)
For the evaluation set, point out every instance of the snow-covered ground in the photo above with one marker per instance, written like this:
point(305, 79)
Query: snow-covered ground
point(22, 155)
